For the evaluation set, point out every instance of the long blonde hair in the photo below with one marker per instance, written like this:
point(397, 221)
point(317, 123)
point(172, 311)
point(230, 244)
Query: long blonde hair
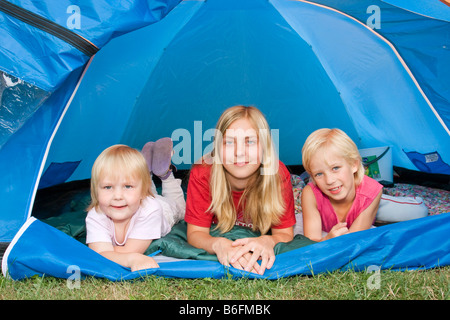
point(262, 198)
point(341, 141)
point(119, 159)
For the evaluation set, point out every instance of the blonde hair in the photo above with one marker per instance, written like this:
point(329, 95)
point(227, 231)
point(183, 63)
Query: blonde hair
point(332, 138)
point(119, 159)
point(262, 197)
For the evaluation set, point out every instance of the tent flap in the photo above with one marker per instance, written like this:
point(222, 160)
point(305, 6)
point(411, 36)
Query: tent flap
point(421, 243)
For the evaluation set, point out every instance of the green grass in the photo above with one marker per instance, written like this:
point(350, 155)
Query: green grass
point(410, 285)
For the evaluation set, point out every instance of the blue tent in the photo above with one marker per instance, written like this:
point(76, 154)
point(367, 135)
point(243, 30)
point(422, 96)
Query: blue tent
point(77, 78)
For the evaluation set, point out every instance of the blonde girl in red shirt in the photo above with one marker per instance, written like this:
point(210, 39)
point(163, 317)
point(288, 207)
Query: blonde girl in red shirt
point(241, 182)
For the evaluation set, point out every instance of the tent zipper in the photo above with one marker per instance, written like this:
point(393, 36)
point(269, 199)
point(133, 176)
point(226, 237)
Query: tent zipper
point(50, 27)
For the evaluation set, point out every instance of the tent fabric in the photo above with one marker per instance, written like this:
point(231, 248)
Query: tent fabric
point(46, 60)
point(429, 8)
point(19, 162)
point(273, 55)
point(416, 244)
point(417, 30)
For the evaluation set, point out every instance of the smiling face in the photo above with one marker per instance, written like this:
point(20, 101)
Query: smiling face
point(333, 174)
point(240, 153)
point(119, 167)
point(119, 196)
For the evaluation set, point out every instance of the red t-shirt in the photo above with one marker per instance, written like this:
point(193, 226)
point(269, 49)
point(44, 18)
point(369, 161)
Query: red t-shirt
point(199, 199)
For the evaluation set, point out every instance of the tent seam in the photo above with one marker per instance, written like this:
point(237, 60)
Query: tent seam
point(49, 143)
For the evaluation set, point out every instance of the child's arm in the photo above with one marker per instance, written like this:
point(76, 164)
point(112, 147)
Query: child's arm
point(128, 259)
point(312, 222)
point(134, 245)
point(365, 219)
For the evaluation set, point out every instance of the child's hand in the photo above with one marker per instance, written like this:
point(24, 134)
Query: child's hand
point(140, 262)
point(258, 248)
point(225, 250)
point(338, 230)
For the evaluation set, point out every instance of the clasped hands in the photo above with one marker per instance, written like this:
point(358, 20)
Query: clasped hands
point(244, 253)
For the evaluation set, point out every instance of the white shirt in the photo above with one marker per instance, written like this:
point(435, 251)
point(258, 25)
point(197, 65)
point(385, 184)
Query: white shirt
point(148, 223)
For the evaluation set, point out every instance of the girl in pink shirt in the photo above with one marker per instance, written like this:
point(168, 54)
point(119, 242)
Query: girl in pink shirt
point(340, 198)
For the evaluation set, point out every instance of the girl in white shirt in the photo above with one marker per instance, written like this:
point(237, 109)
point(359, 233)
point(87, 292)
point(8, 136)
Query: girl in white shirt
point(126, 213)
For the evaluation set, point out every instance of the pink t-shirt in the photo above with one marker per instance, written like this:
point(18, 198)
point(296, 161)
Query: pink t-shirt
point(148, 223)
point(366, 192)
